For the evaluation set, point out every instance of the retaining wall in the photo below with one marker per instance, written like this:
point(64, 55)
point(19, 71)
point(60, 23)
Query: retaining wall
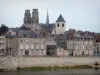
point(13, 62)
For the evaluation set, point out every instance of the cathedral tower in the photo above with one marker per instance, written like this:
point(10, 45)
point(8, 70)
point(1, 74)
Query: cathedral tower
point(35, 16)
point(27, 17)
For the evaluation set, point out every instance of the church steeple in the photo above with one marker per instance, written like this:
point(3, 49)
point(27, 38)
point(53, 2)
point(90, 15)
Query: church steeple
point(47, 19)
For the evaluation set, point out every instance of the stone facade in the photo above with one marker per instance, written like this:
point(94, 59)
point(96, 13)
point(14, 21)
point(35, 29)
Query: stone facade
point(2, 45)
point(11, 46)
point(80, 48)
point(97, 48)
point(80, 43)
point(31, 47)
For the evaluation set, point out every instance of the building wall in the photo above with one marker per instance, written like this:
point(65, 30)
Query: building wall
point(62, 52)
point(60, 29)
point(2, 45)
point(97, 48)
point(31, 47)
point(80, 48)
point(11, 46)
point(11, 32)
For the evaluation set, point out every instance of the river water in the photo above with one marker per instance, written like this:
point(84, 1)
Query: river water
point(57, 72)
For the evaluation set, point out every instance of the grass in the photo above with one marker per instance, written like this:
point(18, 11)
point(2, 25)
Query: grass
point(2, 70)
point(54, 68)
point(49, 68)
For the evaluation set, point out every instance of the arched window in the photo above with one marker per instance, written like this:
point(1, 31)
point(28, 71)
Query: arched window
point(58, 25)
point(63, 25)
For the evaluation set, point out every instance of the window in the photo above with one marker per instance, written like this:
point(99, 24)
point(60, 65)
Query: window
point(21, 40)
point(24, 35)
point(2, 50)
point(97, 48)
point(9, 32)
point(37, 46)
point(25, 21)
point(81, 38)
point(37, 49)
point(21, 46)
point(35, 36)
point(97, 52)
point(42, 40)
point(42, 46)
point(26, 46)
point(58, 25)
point(76, 47)
point(82, 47)
point(32, 46)
point(49, 39)
point(62, 25)
point(97, 44)
point(94, 52)
point(2, 44)
point(21, 52)
point(32, 51)
point(3, 39)
point(94, 44)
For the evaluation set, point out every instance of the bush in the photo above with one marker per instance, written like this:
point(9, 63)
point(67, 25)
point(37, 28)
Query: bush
point(96, 63)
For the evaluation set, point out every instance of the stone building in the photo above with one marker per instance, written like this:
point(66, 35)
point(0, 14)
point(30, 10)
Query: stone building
point(2, 44)
point(97, 45)
point(80, 43)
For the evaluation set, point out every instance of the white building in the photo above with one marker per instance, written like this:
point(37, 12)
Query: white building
point(60, 26)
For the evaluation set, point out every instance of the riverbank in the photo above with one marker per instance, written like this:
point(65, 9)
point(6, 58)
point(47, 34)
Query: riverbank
point(53, 68)
point(13, 63)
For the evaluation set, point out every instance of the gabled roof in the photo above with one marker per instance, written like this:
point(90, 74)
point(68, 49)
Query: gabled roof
point(60, 19)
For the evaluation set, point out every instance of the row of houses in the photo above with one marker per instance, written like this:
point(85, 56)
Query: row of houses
point(23, 42)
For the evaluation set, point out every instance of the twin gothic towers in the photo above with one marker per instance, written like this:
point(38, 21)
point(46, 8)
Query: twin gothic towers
point(59, 26)
point(28, 19)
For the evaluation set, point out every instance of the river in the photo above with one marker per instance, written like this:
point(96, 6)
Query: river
point(57, 72)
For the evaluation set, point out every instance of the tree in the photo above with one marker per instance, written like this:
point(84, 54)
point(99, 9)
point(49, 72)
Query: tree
point(3, 29)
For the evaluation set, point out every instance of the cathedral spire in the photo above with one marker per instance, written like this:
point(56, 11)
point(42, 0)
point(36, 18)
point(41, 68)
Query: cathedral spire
point(47, 19)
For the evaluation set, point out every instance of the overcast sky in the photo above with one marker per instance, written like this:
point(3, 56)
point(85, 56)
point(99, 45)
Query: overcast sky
point(79, 14)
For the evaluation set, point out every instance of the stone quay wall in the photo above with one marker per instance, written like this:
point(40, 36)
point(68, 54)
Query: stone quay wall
point(22, 62)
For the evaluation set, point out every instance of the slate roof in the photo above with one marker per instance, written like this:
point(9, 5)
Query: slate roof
point(19, 29)
point(49, 28)
point(60, 19)
point(24, 33)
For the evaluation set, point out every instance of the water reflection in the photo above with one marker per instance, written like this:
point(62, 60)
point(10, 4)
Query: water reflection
point(96, 69)
point(57, 72)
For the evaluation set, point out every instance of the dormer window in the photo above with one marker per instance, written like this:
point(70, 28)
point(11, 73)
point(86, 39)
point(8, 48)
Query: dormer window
point(35, 36)
point(10, 33)
point(58, 25)
point(63, 25)
point(24, 35)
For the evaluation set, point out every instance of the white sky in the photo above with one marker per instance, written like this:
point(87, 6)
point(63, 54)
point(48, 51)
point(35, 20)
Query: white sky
point(79, 14)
